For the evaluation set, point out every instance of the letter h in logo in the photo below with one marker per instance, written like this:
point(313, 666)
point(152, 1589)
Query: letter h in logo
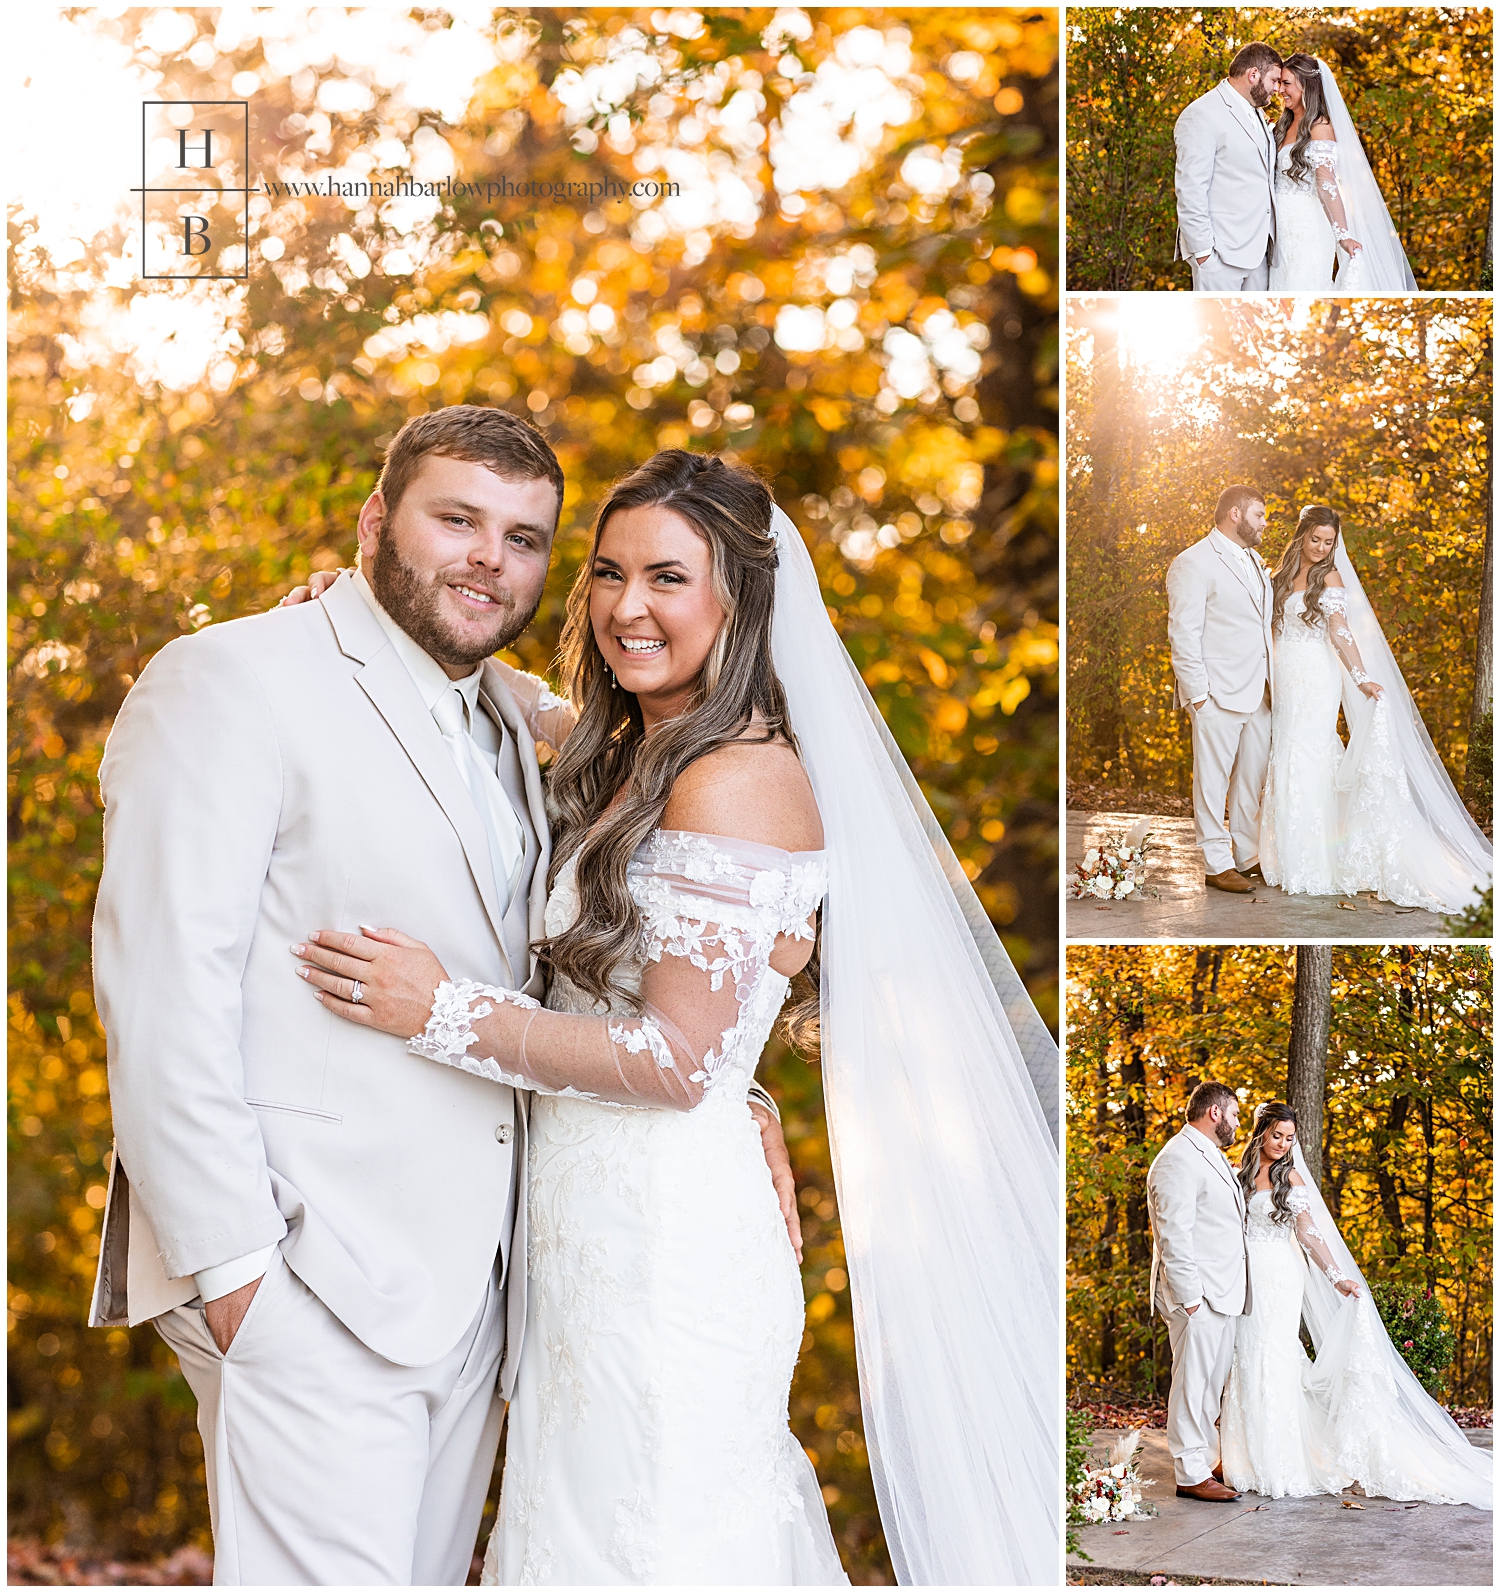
point(195, 190)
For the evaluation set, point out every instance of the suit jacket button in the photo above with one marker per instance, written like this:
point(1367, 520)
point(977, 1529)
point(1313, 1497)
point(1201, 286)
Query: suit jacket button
point(502, 1133)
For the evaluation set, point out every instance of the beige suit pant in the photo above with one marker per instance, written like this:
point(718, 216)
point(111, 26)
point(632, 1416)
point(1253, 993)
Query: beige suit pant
point(328, 1465)
point(1230, 754)
point(1202, 1353)
point(1216, 276)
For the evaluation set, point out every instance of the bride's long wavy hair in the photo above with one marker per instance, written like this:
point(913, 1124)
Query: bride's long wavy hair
point(1314, 110)
point(1267, 1115)
point(1291, 561)
point(737, 688)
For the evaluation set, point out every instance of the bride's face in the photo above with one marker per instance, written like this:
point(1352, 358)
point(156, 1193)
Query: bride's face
point(1317, 543)
point(1279, 1141)
point(652, 606)
point(1290, 89)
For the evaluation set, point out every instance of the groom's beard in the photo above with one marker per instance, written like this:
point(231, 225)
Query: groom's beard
point(1224, 1134)
point(411, 599)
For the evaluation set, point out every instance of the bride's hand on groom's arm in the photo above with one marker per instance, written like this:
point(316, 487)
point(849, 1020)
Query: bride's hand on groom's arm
point(317, 584)
point(396, 974)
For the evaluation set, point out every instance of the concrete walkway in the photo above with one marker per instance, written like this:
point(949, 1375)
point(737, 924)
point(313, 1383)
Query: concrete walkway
point(1189, 910)
point(1300, 1543)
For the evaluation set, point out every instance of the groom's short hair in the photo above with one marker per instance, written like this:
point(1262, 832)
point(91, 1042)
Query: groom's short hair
point(476, 433)
point(1238, 497)
point(1255, 57)
point(1207, 1096)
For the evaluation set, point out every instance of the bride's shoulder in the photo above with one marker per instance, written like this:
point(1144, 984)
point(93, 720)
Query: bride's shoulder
point(1296, 1179)
point(1323, 133)
point(749, 790)
point(1333, 578)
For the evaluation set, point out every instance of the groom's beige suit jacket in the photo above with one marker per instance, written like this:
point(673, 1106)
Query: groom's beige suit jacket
point(265, 778)
point(1197, 1211)
point(1219, 625)
point(1225, 180)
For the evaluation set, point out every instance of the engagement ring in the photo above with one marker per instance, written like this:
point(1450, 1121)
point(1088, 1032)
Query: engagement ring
point(358, 993)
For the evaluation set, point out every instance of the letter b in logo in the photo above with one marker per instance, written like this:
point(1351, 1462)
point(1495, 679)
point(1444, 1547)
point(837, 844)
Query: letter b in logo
point(195, 230)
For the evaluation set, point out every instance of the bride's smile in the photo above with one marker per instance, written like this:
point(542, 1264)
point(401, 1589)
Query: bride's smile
point(652, 606)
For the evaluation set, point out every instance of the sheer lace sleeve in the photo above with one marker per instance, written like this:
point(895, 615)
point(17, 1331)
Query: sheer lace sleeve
point(714, 912)
point(1311, 1240)
point(1335, 611)
point(548, 717)
point(1323, 163)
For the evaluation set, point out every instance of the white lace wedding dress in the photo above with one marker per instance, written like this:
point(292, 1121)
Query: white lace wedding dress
point(1283, 1435)
point(1314, 839)
point(648, 1439)
point(1310, 219)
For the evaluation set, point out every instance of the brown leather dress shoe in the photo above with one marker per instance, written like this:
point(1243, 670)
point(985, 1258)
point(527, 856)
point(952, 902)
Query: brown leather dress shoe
point(1229, 880)
point(1218, 1472)
point(1210, 1491)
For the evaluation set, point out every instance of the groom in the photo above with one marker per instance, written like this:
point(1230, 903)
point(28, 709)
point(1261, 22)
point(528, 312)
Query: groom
point(330, 1233)
point(1219, 625)
point(1200, 1281)
point(1226, 178)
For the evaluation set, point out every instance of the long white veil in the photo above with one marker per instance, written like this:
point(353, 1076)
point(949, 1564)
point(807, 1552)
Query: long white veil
point(1453, 858)
point(1381, 266)
point(1357, 1363)
point(941, 1085)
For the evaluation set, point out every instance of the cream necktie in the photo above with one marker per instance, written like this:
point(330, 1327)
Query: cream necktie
point(507, 839)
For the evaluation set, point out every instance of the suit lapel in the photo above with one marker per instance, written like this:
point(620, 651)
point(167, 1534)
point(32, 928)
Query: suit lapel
point(1215, 1159)
point(1262, 144)
point(385, 680)
point(1237, 569)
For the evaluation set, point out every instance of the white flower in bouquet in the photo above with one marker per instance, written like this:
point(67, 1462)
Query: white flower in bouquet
point(1124, 888)
point(1091, 857)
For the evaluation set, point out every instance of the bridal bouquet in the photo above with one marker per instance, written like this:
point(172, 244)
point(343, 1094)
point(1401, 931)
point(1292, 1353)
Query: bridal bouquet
point(1114, 869)
point(1113, 1491)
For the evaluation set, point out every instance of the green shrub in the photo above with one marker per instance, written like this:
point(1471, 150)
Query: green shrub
point(1079, 1436)
point(1476, 922)
point(1419, 1329)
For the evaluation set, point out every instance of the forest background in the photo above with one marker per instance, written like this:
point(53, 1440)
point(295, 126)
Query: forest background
point(1395, 1044)
point(1417, 81)
point(854, 291)
point(1379, 408)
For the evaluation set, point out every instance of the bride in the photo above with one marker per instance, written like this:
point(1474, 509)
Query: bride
point(720, 772)
point(1328, 204)
point(1291, 1427)
point(1378, 815)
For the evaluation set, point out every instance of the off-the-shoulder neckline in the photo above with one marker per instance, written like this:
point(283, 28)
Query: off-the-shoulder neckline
point(736, 842)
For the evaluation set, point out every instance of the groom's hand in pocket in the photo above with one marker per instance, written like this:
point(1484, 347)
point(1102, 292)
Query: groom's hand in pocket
point(225, 1314)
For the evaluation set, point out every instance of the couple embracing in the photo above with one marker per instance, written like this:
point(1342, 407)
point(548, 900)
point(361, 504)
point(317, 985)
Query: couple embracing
point(1263, 664)
point(1240, 1259)
point(433, 1079)
point(1271, 207)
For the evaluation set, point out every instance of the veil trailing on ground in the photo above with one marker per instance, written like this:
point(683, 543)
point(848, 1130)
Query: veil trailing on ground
point(1455, 858)
point(941, 1086)
point(1381, 266)
point(1357, 1363)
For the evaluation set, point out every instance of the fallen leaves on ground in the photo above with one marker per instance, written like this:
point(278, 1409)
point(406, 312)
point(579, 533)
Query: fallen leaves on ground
point(30, 1563)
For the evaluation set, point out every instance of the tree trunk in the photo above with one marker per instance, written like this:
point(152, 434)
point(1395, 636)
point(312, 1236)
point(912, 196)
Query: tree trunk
point(1307, 1057)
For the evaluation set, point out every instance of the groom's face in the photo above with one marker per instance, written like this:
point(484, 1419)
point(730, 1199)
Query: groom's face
point(1226, 1123)
point(1248, 525)
point(459, 563)
point(1263, 85)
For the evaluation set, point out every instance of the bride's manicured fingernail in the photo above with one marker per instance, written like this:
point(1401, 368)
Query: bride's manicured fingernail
point(302, 973)
point(298, 949)
point(315, 935)
point(367, 929)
